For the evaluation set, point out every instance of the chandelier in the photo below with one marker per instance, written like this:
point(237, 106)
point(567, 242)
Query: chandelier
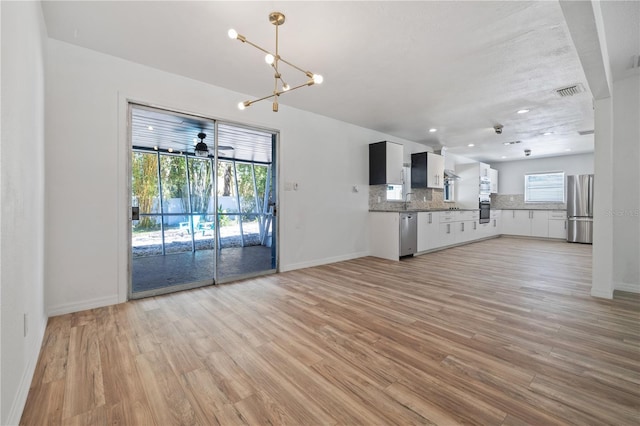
point(280, 86)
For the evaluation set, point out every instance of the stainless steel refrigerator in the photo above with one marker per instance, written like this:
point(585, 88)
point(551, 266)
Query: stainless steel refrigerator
point(580, 209)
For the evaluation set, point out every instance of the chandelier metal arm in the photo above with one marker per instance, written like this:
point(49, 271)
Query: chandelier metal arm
point(278, 93)
point(276, 56)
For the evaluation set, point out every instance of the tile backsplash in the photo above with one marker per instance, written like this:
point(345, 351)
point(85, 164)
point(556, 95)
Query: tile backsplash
point(516, 201)
point(421, 198)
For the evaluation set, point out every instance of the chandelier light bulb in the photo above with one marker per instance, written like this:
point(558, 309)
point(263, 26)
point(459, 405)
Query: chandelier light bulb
point(241, 105)
point(318, 79)
point(286, 87)
point(269, 58)
point(232, 33)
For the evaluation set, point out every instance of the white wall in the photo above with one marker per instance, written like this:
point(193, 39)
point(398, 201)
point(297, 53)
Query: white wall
point(22, 210)
point(511, 173)
point(626, 177)
point(86, 172)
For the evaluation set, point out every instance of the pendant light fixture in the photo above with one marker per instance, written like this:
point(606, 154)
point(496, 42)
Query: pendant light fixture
point(274, 59)
point(202, 150)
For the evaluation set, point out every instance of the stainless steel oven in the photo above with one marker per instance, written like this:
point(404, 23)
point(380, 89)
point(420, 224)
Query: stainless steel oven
point(485, 211)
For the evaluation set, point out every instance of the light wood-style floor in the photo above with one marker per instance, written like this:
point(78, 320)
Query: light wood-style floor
point(500, 332)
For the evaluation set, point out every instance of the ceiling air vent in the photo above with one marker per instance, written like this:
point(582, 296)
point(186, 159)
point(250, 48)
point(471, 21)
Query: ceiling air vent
point(570, 90)
point(585, 132)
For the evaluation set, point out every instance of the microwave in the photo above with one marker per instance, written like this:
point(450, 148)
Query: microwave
point(485, 185)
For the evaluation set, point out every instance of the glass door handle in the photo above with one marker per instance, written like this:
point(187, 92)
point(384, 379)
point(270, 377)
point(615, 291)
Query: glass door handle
point(135, 213)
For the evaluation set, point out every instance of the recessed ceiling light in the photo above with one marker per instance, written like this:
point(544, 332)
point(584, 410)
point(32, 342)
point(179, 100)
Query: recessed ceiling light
point(568, 149)
point(150, 127)
point(471, 145)
point(523, 111)
point(504, 156)
point(547, 133)
point(433, 130)
point(506, 143)
point(170, 150)
point(155, 147)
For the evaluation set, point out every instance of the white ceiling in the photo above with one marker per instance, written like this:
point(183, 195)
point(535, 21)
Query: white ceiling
point(396, 67)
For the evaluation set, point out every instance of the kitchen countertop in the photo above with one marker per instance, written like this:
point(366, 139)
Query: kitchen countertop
point(529, 208)
point(456, 210)
point(423, 210)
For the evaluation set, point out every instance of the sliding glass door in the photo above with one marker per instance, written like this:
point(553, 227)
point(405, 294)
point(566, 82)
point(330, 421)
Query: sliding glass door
point(198, 218)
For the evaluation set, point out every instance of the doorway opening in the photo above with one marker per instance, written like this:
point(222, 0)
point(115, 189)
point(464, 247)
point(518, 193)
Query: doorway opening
point(202, 201)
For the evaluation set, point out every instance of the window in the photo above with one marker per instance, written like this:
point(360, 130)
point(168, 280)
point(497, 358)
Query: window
point(394, 192)
point(448, 190)
point(399, 192)
point(544, 187)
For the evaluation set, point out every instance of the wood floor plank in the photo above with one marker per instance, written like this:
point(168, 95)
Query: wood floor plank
point(499, 332)
point(164, 391)
point(84, 371)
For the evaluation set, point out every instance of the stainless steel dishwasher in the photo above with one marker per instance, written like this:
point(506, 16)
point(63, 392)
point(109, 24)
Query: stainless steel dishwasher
point(408, 233)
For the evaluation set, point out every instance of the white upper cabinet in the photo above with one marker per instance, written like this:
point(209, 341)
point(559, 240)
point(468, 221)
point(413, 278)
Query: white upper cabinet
point(484, 170)
point(493, 175)
point(385, 163)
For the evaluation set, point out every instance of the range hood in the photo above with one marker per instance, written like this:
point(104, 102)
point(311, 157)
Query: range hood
point(449, 174)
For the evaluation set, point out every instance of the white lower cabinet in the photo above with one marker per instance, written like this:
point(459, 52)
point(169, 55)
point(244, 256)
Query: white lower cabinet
point(495, 224)
point(527, 223)
point(428, 231)
point(467, 231)
point(447, 233)
point(558, 224)
point(516, 222)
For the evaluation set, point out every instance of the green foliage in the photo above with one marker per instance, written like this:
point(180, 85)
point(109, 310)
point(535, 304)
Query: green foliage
point(144, 183)
point(174, 178)
point(201, 184)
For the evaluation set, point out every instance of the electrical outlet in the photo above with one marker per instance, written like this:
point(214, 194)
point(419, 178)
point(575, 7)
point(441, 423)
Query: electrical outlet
point(26, 324)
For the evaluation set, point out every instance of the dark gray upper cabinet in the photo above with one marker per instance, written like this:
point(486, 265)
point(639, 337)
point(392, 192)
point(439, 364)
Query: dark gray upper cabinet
point(427, 170)
point(385, 163)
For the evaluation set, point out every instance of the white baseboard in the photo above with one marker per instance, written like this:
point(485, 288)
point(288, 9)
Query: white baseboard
point(83, 305)
point(324, 261)
point(604, 294)
point(27, 375)
point(632, 288)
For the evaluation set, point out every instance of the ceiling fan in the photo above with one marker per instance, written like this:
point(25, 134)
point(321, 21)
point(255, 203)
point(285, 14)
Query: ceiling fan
point(202, 150)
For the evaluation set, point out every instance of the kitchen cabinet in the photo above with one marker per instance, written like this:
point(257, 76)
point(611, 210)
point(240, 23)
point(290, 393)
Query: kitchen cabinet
point(467, 226)
point(385, 163)
point(495, 223)
point(428, 231)
point(468, 187)
point(558, 224)
point(447, 233)
point(384, 235)
point(484, 170)
point(493, 175)
point(427, 170)
point(466, 231)
point(528, 223)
